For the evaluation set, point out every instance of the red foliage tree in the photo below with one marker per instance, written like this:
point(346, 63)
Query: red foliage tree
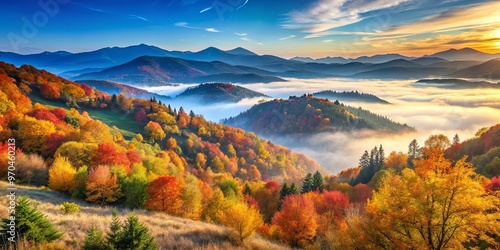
point(107, 154)
point(330, 207)
point(49, 91)
point(141, 116)
point(52, 144)
point(133, 157)
point(360, 193)
point(44, 114)
point(164, 195)
point(495, 183)
point(88, 90)
point(60, 113)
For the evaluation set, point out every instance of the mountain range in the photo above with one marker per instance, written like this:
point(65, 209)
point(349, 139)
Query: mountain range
point(149, 65)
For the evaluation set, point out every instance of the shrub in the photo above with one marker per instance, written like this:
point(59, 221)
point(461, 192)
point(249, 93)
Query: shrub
point(31, 169)
point(69, 208)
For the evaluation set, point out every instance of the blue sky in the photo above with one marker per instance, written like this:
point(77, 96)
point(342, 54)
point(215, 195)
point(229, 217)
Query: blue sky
point(286, 28)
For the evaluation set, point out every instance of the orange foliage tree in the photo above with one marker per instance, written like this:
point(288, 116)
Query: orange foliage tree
point(164, 195)
point(297, 220)
point(102, 186)
point(154, 131)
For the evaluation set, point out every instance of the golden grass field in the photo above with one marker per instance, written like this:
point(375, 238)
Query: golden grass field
point(170, 232)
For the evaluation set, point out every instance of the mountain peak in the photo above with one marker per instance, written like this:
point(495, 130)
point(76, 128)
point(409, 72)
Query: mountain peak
point(241, 51)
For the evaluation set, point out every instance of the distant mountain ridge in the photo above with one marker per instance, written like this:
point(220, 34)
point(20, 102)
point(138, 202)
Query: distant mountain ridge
point(158, 71)
point(245, 66)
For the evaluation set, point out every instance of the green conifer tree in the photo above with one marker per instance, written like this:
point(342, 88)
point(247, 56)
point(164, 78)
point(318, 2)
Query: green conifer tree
point(318, 184)
point(113, 235)
point(307, 184)
point(134, 235)
point(94, 240)
point(31, 224)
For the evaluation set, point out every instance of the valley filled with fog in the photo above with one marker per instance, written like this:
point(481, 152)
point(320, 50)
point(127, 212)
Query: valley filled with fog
point(430, 109)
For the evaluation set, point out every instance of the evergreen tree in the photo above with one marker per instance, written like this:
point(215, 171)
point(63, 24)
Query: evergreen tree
point(293, 189)
point(285, 190)
point(318, 182)
point(414, 152)
point(160, 103)
point(30, 224)
point(307, 184)
point(94, 240)
point(456, 140)
point(151, 110)
point(114, 99)
point(376, 159)
point(381, 158)
point(113, 235)
point(134, 235)
point(364, 162)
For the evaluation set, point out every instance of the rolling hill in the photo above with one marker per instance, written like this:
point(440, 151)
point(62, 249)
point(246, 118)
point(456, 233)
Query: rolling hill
point(353, 96)
point(157, 71)
point(117, 88)
point(217, 92)
point(309, 115)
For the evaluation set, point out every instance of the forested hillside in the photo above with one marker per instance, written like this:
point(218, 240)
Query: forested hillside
point(308, 115)
point(218, 92)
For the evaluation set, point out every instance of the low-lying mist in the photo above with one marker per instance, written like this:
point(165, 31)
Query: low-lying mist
point(430, 110)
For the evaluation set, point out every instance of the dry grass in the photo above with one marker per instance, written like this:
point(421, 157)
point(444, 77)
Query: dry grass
point(170, 232)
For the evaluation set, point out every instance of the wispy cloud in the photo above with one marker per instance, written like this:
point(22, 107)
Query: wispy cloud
point(89, 7)
point(240, 34)
point(333, 32)
point(245, 3)
point(466, 17)
point(329, 14)
point(212, 30)
point(206, 9)
point(328, 41)
point(286, 38)
point(138, 17)
point(481, 38)
point(186, 25)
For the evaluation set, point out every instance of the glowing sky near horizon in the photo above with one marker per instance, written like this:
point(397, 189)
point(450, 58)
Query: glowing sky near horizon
point(317, 28)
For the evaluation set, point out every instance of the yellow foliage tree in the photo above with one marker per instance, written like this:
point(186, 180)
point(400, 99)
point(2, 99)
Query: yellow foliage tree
point(33, 133)
point(432, 208)
point(243, 219)
point(61, 175)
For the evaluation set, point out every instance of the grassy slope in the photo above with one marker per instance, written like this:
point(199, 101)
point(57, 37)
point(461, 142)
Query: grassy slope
point(125, 122)
point(170, 232)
